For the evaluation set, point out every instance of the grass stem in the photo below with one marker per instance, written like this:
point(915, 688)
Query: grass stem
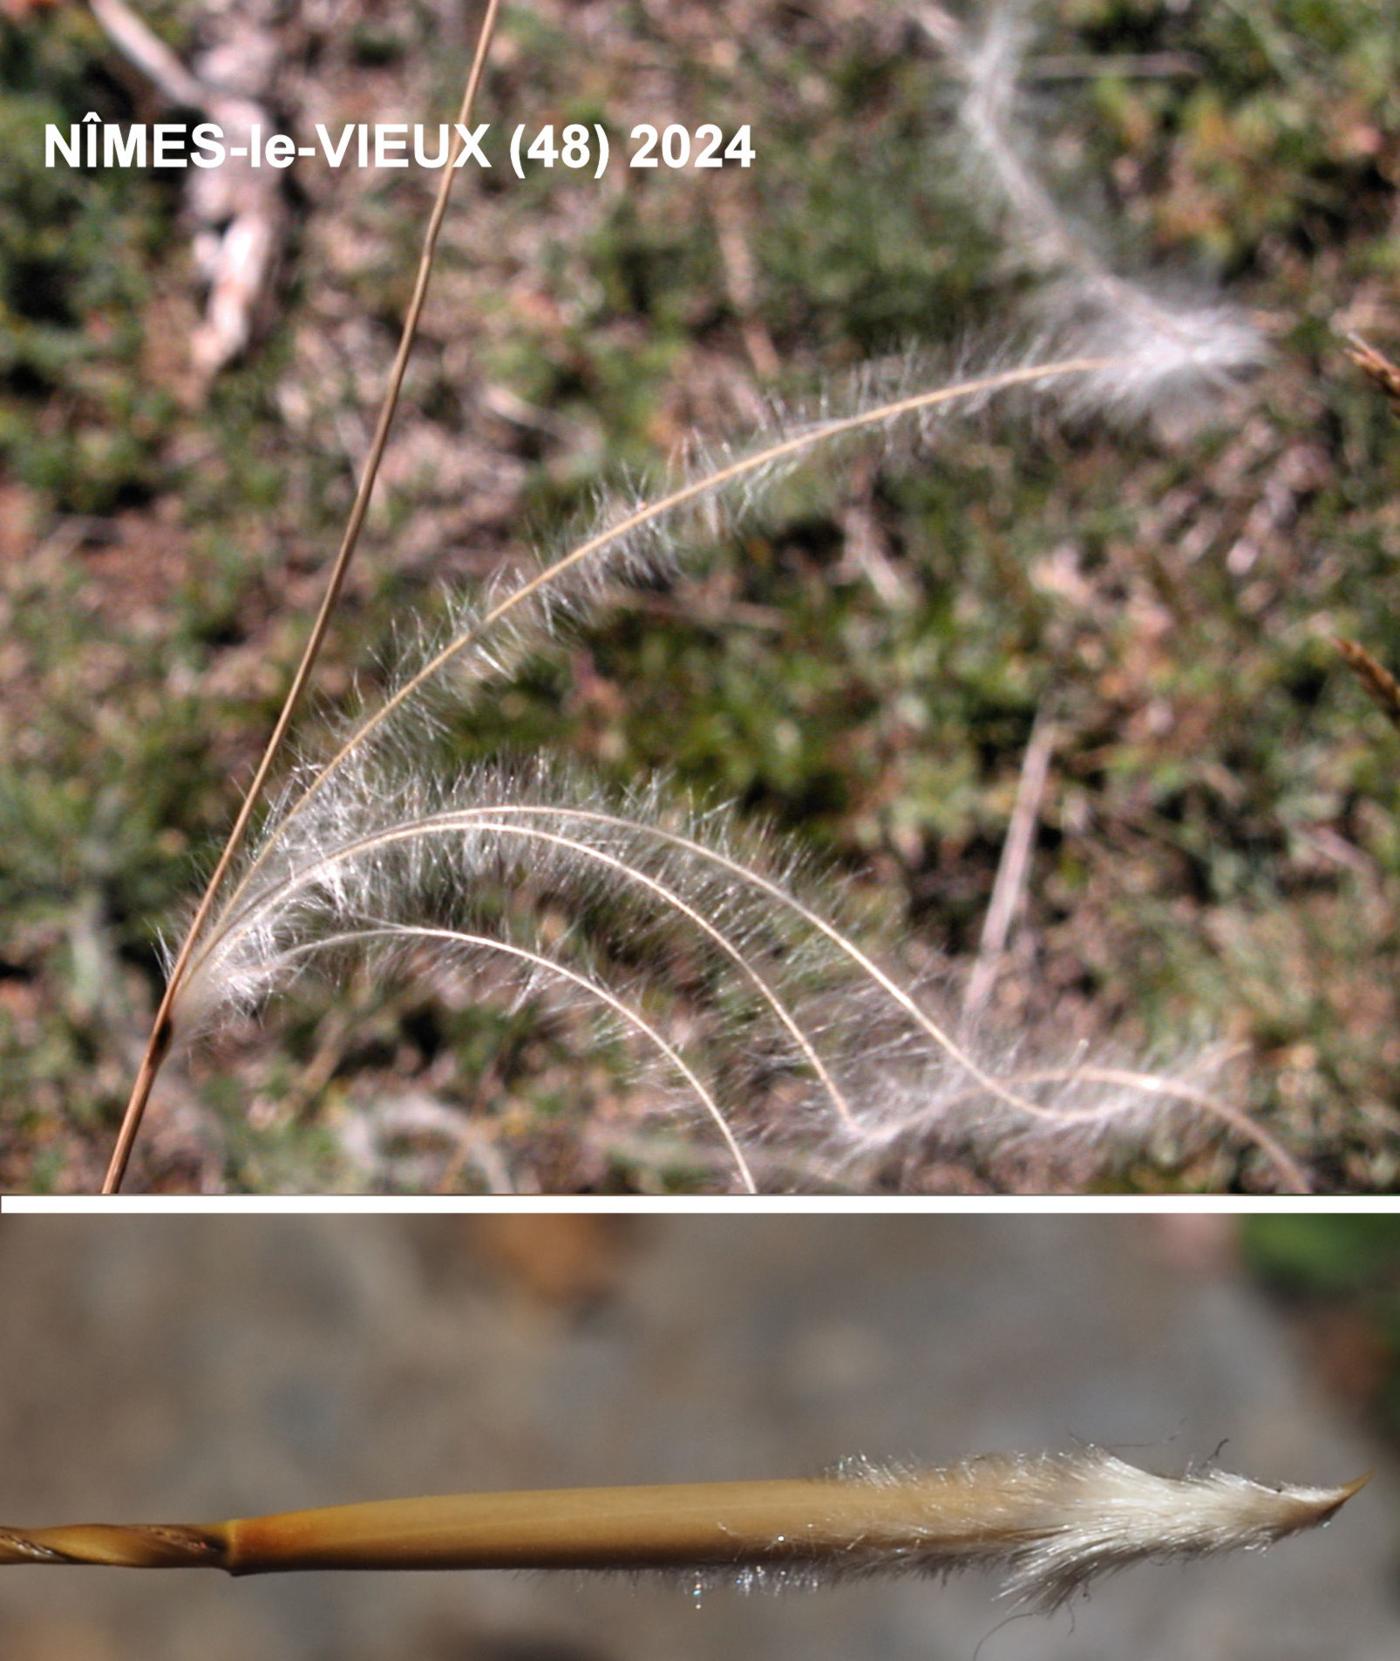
point(159, 1041)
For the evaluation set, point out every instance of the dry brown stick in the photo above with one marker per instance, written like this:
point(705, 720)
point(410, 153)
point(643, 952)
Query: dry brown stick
point(1378, 366)
point(1014, 866)
point(158, 1044)
point(742, 287)
point(1382, 686)
point(1374, 676)
point(1050, 1523)
point(147, 52)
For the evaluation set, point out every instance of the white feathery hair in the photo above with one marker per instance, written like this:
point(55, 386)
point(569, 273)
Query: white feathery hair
point(1182, 345)
point(1092, 1514)
point(866, 1072)
point(1050, 1525)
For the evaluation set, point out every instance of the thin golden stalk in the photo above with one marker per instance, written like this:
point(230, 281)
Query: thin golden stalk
point(1050, 1522)
point(158, 1044)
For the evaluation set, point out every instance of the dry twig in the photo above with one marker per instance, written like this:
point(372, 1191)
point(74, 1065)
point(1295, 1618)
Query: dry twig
point(1374, 676)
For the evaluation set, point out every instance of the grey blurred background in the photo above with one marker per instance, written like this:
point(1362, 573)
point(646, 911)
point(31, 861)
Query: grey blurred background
point(178, 1369)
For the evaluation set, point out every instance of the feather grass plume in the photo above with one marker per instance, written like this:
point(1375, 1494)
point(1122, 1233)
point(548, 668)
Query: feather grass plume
point(371, 846)
point(1047, 1525)
point(810, 1059)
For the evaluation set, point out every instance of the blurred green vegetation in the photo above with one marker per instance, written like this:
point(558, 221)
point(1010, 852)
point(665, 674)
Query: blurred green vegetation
point(1218, 851)
point(77, 423)
point(1344, 1271)
point(1326, 1257)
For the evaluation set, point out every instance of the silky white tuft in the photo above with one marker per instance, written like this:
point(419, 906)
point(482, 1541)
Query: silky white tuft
point(1092, 1514)
point(1175, 350)
point(1051, 1524)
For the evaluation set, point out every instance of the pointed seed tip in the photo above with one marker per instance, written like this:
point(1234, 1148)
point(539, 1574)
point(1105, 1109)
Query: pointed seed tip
point(1332, 1502)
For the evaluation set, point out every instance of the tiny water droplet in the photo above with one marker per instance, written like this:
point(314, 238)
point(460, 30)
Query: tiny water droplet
point(697, 1593)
